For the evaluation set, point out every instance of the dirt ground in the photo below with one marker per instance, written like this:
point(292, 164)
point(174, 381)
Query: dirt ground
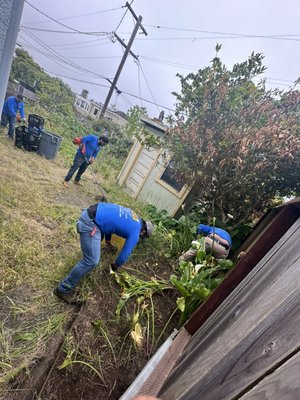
point(101, 356)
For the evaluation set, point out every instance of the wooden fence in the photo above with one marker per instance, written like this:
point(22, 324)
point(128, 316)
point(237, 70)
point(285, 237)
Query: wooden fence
point(249, 347)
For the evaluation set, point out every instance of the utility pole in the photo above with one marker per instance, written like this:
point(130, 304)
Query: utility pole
point(126, 52)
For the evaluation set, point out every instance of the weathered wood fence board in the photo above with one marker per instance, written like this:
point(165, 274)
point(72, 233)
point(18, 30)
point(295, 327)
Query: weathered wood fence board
point(283, 384)
point(255, 328)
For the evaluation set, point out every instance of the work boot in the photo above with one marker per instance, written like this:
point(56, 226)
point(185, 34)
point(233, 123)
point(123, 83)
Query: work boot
point(66, 297)
point(78, 183)
point(65, 183)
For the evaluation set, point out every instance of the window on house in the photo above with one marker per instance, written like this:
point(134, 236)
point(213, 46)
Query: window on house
point(168, 177)
point(78, 102)
point(96, 111)
point(82, 105)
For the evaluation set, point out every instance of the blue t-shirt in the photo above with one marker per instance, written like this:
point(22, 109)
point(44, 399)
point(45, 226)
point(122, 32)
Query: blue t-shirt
point(121, 221)
point(92, 146)
point(12, 106)
point(210, 230)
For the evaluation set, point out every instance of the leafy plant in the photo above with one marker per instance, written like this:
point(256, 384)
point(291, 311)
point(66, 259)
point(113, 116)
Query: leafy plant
point(197, 279)
point(143, 292)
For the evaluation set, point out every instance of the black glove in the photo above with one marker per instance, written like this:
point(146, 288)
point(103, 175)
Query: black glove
point(114, 267)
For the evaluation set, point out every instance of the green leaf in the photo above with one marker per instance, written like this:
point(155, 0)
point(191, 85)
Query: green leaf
point(180, 302)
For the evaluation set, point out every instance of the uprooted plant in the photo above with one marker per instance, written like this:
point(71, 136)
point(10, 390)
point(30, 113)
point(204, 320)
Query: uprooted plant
point(143, 320)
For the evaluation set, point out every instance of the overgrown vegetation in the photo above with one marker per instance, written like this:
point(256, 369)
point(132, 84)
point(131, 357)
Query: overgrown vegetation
point(236, 142)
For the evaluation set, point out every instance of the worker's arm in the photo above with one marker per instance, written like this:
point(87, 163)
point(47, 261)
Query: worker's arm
point(129, 245)
point(21, 110)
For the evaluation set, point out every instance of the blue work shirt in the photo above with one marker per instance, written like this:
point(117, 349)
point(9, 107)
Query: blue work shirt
point(92, 146)
point(121, 221)
point(11, 106)
point(210, 230)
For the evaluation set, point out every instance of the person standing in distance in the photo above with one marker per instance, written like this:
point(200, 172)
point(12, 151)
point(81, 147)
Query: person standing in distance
point(85, 155)
point(12, 106)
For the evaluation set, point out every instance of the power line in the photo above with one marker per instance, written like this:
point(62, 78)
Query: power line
point(78, 80)
point(82, 15)
point(122, 18)
point(242, 35)
point(63, 59)
point(122, 92)
point(139, 81)
point(220, 37)
point(59, 23)
point(69, 32)
point(149, 87)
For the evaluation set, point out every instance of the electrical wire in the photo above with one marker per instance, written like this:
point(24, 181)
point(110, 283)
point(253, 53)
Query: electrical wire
point(81, 15)
point(122, 17)
point(121, 91)
point(69, 32)
point(52, 19)
point(148, 87)
point(239, 35)
point(139, 81)
point(63, 59)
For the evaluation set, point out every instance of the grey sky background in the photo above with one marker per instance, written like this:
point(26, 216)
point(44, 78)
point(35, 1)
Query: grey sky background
point(185, 42)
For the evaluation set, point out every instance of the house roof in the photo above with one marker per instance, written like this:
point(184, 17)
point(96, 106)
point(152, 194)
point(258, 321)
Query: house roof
point(154, 123)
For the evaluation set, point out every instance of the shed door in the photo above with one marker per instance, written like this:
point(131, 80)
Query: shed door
point(140, 171)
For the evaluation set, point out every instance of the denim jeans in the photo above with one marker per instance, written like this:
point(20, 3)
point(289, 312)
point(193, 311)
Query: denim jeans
point(91, 248)
point(79, 164)
point(10, 120)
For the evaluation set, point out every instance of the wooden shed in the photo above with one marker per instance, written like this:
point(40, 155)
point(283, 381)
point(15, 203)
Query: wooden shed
point(145, 174)
point(244, 341)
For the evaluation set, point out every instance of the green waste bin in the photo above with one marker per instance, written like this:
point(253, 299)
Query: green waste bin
point(49, 145)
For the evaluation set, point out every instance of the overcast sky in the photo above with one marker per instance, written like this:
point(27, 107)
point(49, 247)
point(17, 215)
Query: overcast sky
point(181, 38)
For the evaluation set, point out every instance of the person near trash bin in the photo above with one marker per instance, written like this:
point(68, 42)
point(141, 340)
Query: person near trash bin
point(218, 242)
point(95, 222)
point(85, 155)
point(13, 108)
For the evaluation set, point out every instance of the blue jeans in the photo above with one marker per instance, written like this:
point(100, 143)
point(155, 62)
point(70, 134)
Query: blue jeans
point(91, 248)
point(10, 120)
point(79, 164)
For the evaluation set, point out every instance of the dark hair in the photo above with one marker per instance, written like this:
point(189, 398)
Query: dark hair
point(19, 97)
point(104, 139)
point(96, 128)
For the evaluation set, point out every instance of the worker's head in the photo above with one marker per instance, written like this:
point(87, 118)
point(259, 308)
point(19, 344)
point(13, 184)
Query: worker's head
point(147, 229)
point(103, 140)
point(19, 98)
point(96, 128)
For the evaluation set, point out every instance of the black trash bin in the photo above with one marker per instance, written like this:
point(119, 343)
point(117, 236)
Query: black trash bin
point(30, 141)
point(49, 145)
point(35, 123)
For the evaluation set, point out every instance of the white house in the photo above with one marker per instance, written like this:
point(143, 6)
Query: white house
point(92, 109)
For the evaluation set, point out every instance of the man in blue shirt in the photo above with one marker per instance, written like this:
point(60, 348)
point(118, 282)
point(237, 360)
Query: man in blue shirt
point(95, 222)
point(85, 155)
point(217, 241)
point(12, 106)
